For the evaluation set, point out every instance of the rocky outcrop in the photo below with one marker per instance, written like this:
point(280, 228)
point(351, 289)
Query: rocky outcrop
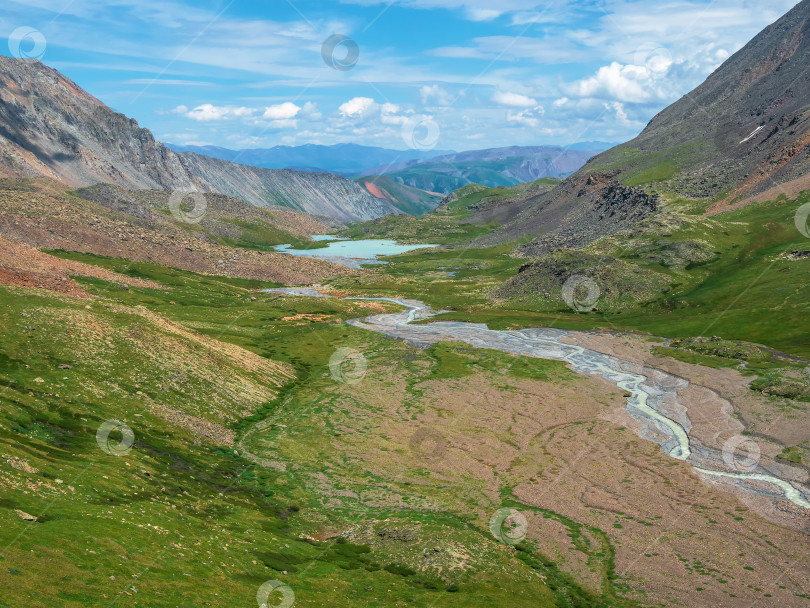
point(457, 195)
point(600, 212)
point(52, 128)
point(617, 283)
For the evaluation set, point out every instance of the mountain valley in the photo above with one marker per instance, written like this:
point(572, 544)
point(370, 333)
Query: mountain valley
point(592, 389)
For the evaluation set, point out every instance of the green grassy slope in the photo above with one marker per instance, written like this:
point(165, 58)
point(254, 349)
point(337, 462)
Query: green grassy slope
point(739, 286)
point(219, 219)
point(446, 177)
point(453, 223)
point(408, 200)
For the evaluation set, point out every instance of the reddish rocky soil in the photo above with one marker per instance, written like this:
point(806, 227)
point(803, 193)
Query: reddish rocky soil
point(24, 266)
point(38, 215)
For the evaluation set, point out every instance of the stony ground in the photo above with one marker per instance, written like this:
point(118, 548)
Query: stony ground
point(43, 218)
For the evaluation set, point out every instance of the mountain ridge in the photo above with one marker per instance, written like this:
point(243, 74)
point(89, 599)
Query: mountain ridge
point(344, 159)
point(51, 127)
point(144, 226)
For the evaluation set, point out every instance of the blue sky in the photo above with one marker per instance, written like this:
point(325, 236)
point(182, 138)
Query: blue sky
point(449, 74)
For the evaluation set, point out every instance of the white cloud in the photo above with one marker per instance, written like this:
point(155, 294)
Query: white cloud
point(544, 51)
point(555, 14)
point(282, 111)
point(208, 112)
point(310, 111)
point(241, 112)
point(176, 82)
point(390, 114)
point(435, 93)
point(279, 116)
point(359, 106)
point(616, 81)
point(475, 10)
point(618, 108)
point(483, 14)
point(287, 123)
point(529, 117)
point(515, 100)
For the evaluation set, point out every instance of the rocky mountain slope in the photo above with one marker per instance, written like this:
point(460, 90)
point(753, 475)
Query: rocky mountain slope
point(217, 214)
point(747, 128)
point(743, 132)
point(24, 266)
point(578, 212)
point(492, 167)
point(50, 127)
point(316, 193)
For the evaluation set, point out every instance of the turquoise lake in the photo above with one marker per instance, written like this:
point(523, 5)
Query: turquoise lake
point(352, 253)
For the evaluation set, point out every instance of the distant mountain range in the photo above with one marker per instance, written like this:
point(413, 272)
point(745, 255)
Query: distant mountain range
point(492, 167)
point(433, 171)
point(344, 159)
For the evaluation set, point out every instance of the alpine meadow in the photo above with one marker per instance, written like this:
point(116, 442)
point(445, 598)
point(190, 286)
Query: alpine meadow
point(405, 303)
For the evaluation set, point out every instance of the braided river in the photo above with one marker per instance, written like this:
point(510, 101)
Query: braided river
point(651, 392)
